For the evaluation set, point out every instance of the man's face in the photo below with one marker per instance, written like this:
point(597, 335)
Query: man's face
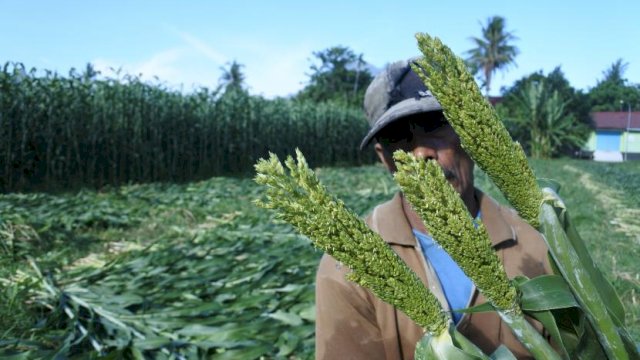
point(429, 136)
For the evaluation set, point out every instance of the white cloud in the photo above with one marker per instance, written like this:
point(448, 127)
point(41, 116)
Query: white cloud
point(278, 73)
point(164, 65)
point(203, 48)
point(171, 67)
point(269, 71)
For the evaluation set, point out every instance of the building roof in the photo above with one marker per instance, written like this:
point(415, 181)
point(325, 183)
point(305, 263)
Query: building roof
point(615, 119)
point(494, 100)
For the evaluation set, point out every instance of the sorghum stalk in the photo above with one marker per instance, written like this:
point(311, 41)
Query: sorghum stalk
point(481, 132)
point(445, 215)
point(579, 278)
point(486, 140)
point(449, 344)
point(300, 199)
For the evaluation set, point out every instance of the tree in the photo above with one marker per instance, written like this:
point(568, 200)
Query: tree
point(576, 107)
point(340, 76)
point(615, 73)
point(543, 117)
point(232, 77)
point(493, 51)
point(612, 91)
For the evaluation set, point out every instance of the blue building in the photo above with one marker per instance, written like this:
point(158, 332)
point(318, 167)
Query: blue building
point(616, 136)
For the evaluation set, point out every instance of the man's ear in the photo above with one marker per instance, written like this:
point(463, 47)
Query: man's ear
point(386, 157)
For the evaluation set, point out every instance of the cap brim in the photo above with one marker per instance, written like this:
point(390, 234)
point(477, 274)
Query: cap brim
point(398, 111)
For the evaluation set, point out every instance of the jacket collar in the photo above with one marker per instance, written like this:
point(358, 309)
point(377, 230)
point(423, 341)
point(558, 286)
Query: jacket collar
point(391, 222)
point(500, 232)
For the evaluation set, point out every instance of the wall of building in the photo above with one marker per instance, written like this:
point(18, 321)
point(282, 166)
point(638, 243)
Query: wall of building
point(590, 145)
point(634, 142)
point(633, 136)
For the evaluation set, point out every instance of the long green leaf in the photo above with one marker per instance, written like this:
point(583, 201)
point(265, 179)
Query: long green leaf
point(607, 292)
point(528, 335)
point(579, 279)
point(548, 321)
point(464, 344)
point(480, 308)
point(542, 312)
point(502, 353)
point(546, 292)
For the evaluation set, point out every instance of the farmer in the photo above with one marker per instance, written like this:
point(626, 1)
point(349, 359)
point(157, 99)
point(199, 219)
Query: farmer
point(352, 323)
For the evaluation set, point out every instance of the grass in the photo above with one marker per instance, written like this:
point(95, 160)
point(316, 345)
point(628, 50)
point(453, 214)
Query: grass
point(199, 271)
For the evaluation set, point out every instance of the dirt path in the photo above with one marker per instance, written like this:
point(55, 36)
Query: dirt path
point(626, 220)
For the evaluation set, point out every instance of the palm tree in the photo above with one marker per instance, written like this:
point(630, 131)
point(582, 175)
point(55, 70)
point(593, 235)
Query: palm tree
point(493, 50)
point(615, 73)
point(232, 77)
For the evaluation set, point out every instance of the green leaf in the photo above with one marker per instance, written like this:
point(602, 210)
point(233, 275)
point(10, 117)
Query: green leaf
point(579, 279)
point(606, 290)
point(27, 355)
point(502, 353)
point(253, 352)
point(484, 307)
point(286, 344)
point(308, 313)
point(151, 343)
point(197, 330)
point(548, 321)
point(285, 289)
point(587, 347)
point(464, 344)
point(286, 317)
point(442, 347)
point(137, 354)
point(529, 336)
point(228, 336)
point(546, 292)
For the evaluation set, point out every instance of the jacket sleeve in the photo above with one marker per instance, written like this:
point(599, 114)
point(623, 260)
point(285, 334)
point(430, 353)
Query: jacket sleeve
point(346, 326)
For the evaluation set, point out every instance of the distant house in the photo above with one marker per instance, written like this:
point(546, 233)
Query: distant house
point(495, 100)
point(616, 136)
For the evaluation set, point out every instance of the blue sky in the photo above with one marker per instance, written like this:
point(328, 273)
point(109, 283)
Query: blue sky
point(186, 42)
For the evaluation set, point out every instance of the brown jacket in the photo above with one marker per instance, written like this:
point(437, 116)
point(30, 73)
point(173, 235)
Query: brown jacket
point(352, 323)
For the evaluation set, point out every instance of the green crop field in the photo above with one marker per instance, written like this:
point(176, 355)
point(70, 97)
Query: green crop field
point(195, 270)
point(62, 132)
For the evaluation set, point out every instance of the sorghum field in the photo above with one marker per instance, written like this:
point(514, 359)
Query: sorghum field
point(195, 270)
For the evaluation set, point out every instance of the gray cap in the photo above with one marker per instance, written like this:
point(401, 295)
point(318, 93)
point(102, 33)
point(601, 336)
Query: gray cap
point(395, 93)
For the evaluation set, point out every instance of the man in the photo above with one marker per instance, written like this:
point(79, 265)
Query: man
point(351, 323)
